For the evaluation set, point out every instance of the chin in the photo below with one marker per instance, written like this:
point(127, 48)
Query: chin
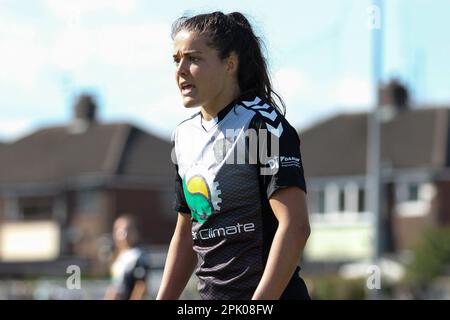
point(189, 102)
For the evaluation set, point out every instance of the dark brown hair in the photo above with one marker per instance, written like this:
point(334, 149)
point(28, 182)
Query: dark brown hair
point(229, 33)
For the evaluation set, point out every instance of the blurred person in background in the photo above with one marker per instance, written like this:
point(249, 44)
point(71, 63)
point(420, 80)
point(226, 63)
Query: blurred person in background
point(242, 226)
point(129, 269)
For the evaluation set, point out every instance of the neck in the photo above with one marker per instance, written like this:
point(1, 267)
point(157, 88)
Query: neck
point(210, 111)
point(123, 248)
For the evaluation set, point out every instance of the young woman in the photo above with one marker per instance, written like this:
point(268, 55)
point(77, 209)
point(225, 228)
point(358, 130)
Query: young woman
point(129, 269)
point(242, 216)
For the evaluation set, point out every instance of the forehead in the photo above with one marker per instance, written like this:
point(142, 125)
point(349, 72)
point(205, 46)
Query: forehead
point(121, 223)
point(190, 41)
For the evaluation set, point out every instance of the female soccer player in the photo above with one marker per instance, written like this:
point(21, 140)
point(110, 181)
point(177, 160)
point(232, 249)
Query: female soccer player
point(242, 215)
point(130, 269)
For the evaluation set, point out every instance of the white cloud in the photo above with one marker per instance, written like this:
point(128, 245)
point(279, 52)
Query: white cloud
point(71, 50)
point(161, 114)
point(309, 99)
point(22, 54)
point(292, 83)
point(125, 6)
point(135, 46)
point(70, 9)
point(31, 56)
point(13, 128)
point(306, 100)
point(353, 92)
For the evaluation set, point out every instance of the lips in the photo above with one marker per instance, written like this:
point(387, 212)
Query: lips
point(186, 88)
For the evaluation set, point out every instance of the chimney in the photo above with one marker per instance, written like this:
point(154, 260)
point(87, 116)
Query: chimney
point(85, 114)
point(394, 95)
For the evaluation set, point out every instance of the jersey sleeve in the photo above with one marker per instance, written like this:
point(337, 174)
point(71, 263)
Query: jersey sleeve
point(141, 269)
point(180, 204)
point(179, 201)
point(279, 157)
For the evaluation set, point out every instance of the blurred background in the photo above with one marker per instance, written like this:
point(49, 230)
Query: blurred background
point(88, 103)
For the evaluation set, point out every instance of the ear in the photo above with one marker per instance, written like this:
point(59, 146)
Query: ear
point(232, 63)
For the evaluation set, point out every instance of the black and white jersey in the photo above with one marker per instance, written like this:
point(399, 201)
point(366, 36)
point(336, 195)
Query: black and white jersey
point(226, 172)
point(128, 268)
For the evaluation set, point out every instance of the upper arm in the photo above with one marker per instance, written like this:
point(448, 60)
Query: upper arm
point(281, 169)
point(289, 207)
point(184, 225)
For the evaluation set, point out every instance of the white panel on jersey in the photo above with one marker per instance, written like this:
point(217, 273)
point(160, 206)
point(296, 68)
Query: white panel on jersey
point(275, 131)
point(272, 116)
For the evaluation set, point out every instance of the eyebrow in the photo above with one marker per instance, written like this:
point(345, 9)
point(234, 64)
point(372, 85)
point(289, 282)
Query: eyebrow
point(187, 53)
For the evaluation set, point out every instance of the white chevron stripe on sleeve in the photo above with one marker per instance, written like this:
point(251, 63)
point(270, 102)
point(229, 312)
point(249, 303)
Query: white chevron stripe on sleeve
point(252, 103)
point(272, 116)
point(264, 106)
point(276, 132)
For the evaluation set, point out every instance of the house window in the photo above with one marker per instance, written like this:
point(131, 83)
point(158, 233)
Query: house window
point(410, 192)
point(321, 201)
point(35, 208)
point(414, 198)
point(341, 200)
point(413, 192)
point(331, 198)
point(361, 200)
point(316, 201)
point(351, 197)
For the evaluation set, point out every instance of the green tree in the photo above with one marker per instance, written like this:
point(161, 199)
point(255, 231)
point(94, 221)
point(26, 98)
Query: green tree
point(431, 257)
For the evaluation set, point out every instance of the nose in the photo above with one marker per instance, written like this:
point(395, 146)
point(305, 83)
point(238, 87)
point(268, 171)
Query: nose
point(182, 68)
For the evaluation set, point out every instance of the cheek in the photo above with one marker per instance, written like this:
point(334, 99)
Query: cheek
point(216, 80)
point(208, 79)
point(195, 71)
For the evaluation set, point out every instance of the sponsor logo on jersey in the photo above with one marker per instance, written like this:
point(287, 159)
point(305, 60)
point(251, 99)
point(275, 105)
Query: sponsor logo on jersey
point(201, 193)
point(290, 162)
point(212, 233)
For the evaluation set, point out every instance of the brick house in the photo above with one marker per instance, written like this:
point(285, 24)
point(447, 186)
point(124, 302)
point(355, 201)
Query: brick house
point(72, 181)
point(415, 152)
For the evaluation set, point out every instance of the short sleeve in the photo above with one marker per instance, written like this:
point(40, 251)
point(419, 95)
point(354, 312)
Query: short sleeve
point(279, 156)
point(180, 204)
point(141, 269)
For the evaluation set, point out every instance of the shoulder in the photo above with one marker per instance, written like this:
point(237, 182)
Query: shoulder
point(270, 118)
point(137, 255)
point(143, 256)
point(184, 124)
point(188, 121)
point(185, 121)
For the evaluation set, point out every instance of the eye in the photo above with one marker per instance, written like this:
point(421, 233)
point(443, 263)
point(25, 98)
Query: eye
point(176, 60)
point(194, 59)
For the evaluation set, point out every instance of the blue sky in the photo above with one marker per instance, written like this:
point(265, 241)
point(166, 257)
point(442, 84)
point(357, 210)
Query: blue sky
point(120, 50)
